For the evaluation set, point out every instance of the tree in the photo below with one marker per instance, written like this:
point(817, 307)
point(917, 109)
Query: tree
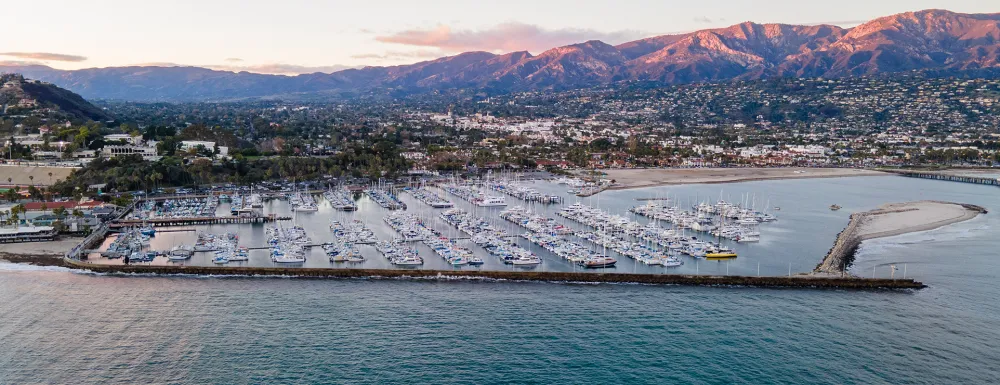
point(12, 195)
point(77, 213)
point(59, 211)
point(15, 214)
point(34, 192)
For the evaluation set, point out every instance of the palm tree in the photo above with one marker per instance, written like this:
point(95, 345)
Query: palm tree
point(14, 211)
point(156, 177)
point(32, 178)
point(50, 178)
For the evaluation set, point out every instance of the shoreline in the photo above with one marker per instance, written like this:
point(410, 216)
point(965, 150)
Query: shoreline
point(891, 220)
point(627, 179)
point(971, 212)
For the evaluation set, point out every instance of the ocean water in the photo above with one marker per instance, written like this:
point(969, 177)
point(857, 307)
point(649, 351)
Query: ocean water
point(62, 326)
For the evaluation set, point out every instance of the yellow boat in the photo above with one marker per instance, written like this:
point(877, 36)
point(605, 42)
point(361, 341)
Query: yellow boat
point(720, 255)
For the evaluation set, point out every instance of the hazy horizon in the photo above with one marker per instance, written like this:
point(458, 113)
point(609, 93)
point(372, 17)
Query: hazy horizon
point(303, 37)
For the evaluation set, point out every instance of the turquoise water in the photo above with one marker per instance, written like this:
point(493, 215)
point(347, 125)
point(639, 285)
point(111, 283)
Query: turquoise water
point(69, 327)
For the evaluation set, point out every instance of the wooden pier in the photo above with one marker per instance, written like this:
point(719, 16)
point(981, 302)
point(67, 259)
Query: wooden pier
point(951, 178)
point(189, 221)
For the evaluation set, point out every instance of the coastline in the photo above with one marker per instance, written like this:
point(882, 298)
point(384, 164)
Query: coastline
point(626, 179)
point(890, 220)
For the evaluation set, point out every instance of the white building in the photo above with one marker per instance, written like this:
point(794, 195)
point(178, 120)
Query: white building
point(135, 140)
point(189, 144)
point(147, 152)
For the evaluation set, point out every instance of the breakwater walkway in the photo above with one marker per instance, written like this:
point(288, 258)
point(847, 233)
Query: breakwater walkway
point(950, 177)
point(568, 277)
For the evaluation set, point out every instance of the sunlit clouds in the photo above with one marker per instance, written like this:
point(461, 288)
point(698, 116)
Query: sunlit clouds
point(45, 56)
point(502, 38)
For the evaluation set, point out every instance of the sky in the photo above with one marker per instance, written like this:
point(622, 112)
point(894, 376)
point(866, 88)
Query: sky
point(297, 36)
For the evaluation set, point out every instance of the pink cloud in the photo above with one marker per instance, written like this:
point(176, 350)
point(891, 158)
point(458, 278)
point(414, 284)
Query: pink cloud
point(269, 68)
point(505, 37)
point(278, 68)
point(47, 56)
point(399, 55)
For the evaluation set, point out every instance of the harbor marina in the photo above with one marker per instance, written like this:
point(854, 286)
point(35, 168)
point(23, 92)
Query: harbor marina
point(793, 244)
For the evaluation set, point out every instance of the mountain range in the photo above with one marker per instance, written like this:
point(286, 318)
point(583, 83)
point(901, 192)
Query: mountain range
point(924, 40)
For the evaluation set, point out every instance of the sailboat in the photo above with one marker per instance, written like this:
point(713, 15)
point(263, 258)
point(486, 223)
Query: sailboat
point(721, 253)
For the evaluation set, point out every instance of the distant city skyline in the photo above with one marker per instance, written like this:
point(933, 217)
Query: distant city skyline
point(299, 36)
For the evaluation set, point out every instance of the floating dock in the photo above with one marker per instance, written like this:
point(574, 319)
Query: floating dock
point(188, 221)
point(566, 277)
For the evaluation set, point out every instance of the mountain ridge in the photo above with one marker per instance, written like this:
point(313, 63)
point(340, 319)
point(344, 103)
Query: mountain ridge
point(28, 96)
point(922, 40)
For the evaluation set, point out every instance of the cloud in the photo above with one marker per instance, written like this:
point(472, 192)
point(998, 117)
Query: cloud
point(365, 31)
point(160, 64)
point(506, 37)
point(840, 23)
point(398, 55)
point(279, 68)
point(270, 69)
point(19, 63)
point(707, 20)
point(47, 56)
point(234, 60)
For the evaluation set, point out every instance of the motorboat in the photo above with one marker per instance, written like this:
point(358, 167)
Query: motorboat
point(526, 261)
point(599, 262)
point(408, 261)
point(288, 259)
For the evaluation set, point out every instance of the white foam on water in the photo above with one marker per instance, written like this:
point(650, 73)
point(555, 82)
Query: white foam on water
point(955, 232)
point(8, 266)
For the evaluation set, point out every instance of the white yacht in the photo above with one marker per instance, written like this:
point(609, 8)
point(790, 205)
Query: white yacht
point(491, 201)
point(287, 259)
point(408, 261)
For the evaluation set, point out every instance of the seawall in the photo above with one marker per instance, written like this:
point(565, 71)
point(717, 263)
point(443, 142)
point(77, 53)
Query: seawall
point(798, 281)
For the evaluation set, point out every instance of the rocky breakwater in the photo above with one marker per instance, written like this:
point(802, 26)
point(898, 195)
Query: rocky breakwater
point(889, 220)
point(795, 281)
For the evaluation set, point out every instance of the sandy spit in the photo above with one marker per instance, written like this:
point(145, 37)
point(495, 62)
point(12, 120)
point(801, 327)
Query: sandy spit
point(636, 178)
